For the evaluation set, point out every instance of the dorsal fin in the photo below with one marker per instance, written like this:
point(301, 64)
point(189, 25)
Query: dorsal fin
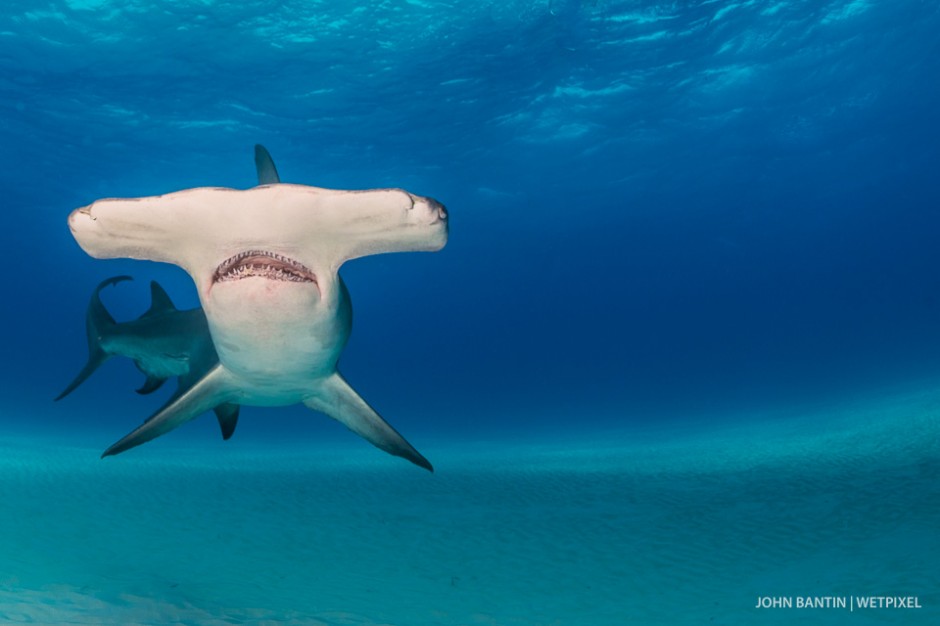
point(267, 173)
point(159, 301)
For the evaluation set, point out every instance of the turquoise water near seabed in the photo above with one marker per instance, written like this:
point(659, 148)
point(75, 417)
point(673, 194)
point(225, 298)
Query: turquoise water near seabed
point(671, 526)
point(681, 350)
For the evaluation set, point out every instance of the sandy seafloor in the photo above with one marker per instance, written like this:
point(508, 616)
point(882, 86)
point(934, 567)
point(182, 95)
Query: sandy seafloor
point(669, 526)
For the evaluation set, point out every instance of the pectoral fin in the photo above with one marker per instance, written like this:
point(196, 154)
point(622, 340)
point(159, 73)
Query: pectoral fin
point(211, 391)
point(337, 399)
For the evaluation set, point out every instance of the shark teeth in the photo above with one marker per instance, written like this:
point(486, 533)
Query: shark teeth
point(263, 264)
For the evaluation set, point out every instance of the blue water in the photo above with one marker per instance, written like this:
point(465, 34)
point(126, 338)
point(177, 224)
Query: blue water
point(682, 348)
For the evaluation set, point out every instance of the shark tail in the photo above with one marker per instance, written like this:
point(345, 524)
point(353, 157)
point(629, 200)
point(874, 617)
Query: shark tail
point(97, 323)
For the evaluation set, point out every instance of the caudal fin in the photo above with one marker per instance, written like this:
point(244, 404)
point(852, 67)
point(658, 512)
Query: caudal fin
point(97, 322)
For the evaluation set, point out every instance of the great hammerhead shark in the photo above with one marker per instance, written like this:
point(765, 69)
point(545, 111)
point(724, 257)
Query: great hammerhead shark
point(265, 262)
point(163, 342)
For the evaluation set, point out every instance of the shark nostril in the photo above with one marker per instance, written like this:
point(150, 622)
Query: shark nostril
point(441, 212)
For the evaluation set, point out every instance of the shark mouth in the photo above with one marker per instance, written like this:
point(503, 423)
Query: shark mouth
point(262, 264)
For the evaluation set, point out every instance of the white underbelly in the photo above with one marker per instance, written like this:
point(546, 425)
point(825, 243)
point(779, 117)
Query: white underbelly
point(275, 337)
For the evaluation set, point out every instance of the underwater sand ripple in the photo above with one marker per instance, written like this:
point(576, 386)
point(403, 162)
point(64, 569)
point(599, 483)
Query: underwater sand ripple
point(680, 530)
